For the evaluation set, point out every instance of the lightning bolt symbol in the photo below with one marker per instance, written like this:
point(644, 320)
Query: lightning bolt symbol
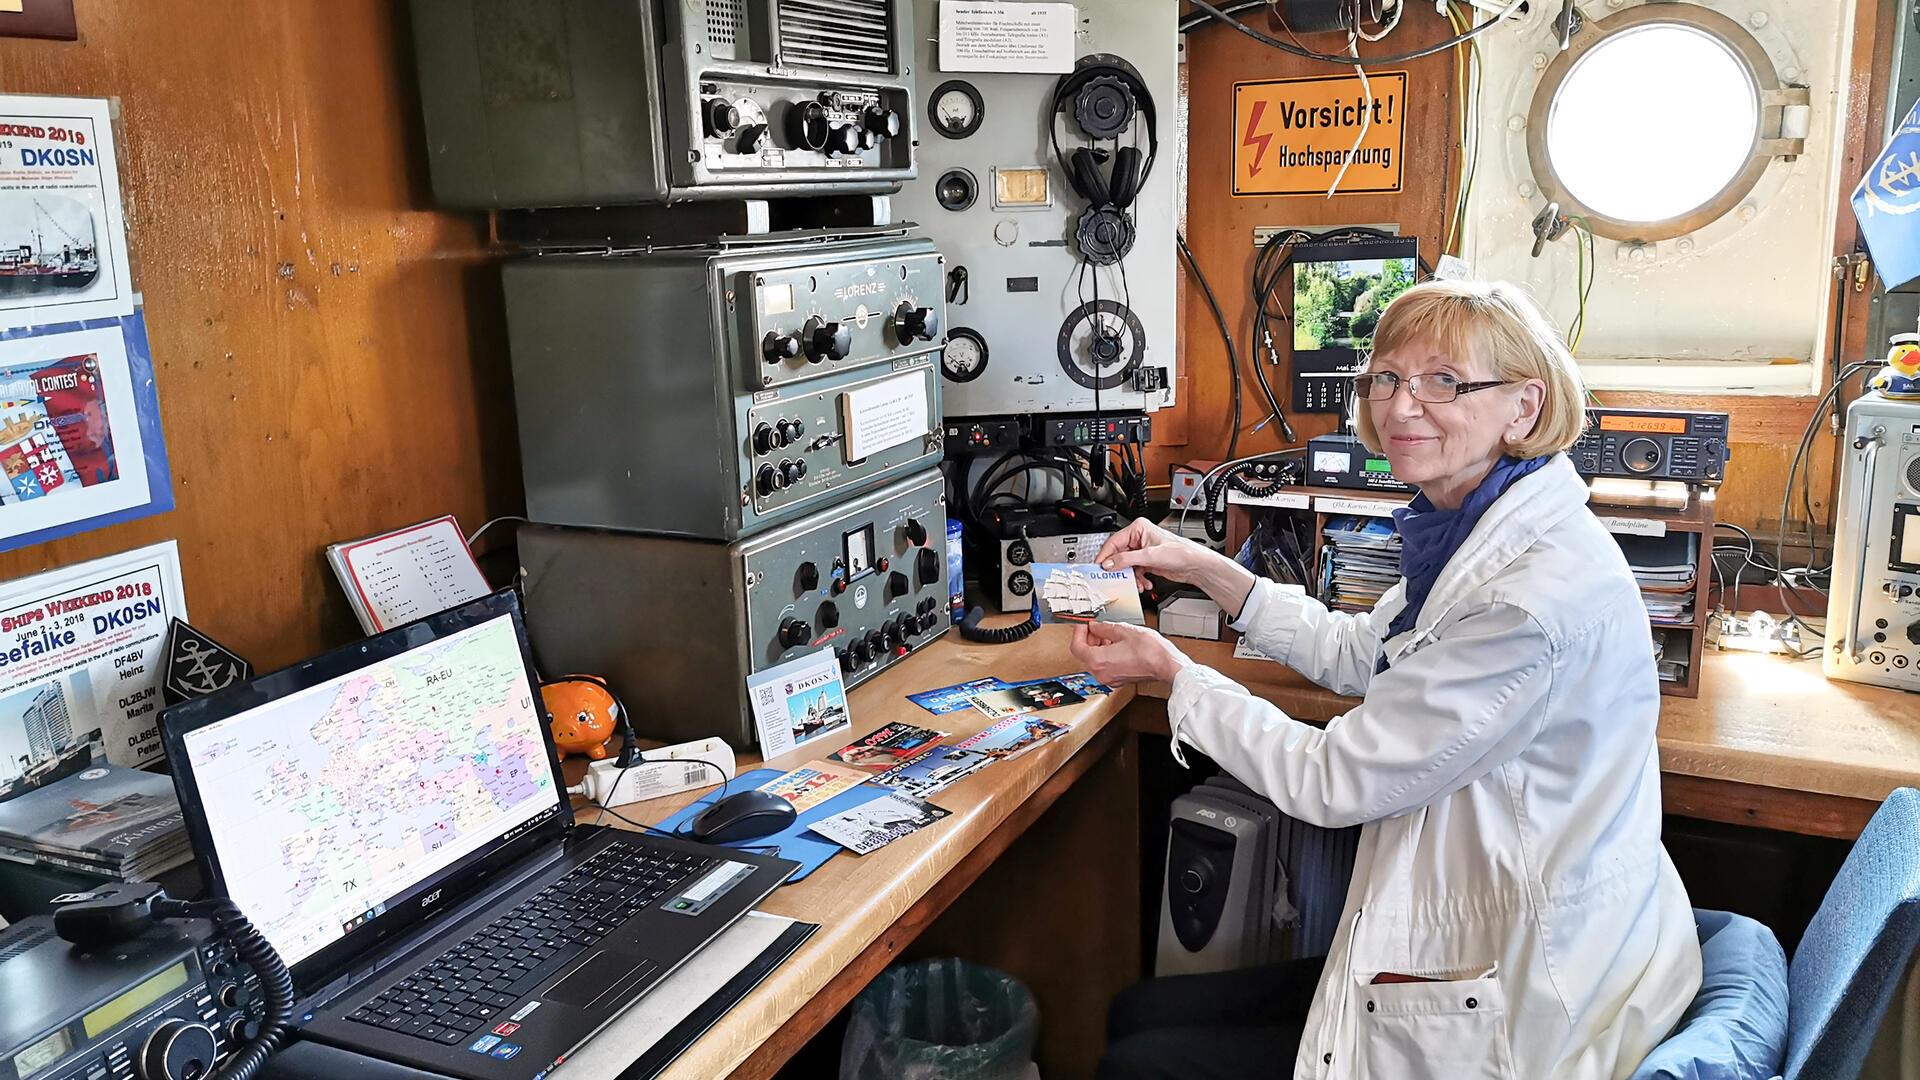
point(1258, 141)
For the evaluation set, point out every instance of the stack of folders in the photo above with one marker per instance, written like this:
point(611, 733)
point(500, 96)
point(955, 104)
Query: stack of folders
point(1359, 562)
point(1667, 569)
point(106, 820)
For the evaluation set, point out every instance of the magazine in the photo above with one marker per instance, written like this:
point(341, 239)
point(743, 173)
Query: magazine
point(111, 820)
point(873, 825)
point(887, 747)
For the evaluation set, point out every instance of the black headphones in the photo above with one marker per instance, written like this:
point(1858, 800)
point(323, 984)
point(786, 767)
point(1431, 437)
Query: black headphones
point(1105, 93)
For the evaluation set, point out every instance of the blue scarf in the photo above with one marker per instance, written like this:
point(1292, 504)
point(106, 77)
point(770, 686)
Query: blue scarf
point(1429, 536)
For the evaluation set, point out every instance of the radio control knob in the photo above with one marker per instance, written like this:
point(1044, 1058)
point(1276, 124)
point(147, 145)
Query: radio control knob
point(897, 584)
point(763, 439)
point(809, 577)
point(807, 126)
point(916, 532)
point(826, 340)
point(778, 347)
point(843, 139)
point(860, 653)
point(719, 116)
point(240, 1029)
point(766, 480)
point(929, 566)
point(875, 643)
point(788, 430)
point(881, 121)
point(230, 995)
point(845, 658)
point(829, 615)
point(178, 1050)
point(891, 634)
point(795, 632)
point(792, 471)
point(1913, 631)
point(911, 322)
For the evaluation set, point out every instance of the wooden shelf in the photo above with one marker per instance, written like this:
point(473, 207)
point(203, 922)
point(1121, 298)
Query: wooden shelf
point(1696, 517)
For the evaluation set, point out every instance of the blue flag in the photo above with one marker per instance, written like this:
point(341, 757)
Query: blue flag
point(1887, 204)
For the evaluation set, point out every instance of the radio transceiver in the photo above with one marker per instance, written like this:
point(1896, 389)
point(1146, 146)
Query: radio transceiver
point(1653, 444)
point(1342, 461)
point(166, 1005)
point(648, 101)
point(1873, 606)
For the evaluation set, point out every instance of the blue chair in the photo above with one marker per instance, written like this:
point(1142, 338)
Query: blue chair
point(1823, 1012)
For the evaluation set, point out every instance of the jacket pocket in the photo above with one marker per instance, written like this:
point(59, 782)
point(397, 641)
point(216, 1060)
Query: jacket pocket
point(1454, 1030)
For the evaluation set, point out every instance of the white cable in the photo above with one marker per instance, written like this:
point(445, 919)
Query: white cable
point(1392, 21)
point(1366, 110)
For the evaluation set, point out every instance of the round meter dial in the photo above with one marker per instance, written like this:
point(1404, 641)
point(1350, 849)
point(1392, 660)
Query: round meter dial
point(956, 109)
point(965, 357)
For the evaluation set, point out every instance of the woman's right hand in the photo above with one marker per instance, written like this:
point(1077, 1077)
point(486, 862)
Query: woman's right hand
point(1145, 547)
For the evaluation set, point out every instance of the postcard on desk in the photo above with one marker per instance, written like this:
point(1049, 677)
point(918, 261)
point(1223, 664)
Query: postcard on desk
point(873, 825)
point(887, 747)
point(813, 783)
point(1026, 698)
point(1070, 593)
point(953, 698)
point(927, 773)
point(1079, 682)
point(797, 702)
point(1012, 737)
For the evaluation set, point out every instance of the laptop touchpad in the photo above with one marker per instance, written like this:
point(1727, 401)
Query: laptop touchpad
point(604, 975)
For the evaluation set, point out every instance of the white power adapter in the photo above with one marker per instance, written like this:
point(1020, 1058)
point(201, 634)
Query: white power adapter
point(663, 771)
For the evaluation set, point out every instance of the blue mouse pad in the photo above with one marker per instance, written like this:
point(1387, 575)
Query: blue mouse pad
point(810, 850)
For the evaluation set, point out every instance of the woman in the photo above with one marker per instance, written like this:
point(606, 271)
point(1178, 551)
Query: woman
point(1512, 913)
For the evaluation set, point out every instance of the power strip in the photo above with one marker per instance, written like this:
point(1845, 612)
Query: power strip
point(664, 771)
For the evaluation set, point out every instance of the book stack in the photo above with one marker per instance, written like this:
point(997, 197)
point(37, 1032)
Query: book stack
point(118, 823)
point(1666, 568)
point(1359, 563)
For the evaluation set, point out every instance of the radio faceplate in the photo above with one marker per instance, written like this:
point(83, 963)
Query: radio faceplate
point(1653, 444)
point(802, 320)
point(1873, 601)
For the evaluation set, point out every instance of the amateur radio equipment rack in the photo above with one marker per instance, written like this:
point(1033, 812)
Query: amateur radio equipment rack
point(166, 1005)
point(1873, 603)
point(651, 101)
point(1061, 260)
point(689, 620)
point(716, 393)
point(1653, 444)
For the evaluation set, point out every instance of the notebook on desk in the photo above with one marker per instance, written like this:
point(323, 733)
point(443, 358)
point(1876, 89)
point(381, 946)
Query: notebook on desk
point(391, 816)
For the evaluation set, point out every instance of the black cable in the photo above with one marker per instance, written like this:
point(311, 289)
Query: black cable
point(1786, 495)
point(1004, 635)
point(1349, 61)
point(1226, 335)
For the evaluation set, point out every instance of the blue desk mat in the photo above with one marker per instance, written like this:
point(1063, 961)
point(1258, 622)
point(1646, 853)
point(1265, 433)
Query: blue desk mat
point(810, 850)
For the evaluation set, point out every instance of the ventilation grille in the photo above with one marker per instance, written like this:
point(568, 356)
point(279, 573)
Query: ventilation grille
point(1913, 474)
point(853, 34)
point(724, 20)
point(20, 945)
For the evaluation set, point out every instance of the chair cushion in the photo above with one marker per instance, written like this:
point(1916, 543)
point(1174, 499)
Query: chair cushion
point(1736, 1028)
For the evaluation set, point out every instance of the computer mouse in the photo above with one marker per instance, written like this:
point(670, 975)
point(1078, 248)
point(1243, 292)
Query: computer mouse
point(742, 816)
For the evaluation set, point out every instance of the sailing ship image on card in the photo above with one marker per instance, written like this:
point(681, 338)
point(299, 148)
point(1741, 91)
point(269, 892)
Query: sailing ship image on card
point(54, 436)
point(1085, 593)
point(46, 245)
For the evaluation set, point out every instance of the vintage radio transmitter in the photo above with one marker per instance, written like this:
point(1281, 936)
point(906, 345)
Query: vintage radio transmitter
point(647, 101)
point(1038, 537)
point(167, 1005)
point(1343, 461)
point(680, 624)
point(1653, 444)
point(1873, 602)
point(1057, 223)
point(713, 394)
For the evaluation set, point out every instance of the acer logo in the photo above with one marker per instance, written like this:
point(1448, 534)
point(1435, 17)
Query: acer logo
point(429, 899)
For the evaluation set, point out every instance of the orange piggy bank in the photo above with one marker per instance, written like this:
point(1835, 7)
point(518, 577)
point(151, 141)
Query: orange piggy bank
point(584, 716)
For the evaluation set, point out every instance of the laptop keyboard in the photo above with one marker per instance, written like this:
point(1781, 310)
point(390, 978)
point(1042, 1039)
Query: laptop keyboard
point(472, 985)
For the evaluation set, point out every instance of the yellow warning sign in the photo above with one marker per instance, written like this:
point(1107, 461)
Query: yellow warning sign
point(1291, 136)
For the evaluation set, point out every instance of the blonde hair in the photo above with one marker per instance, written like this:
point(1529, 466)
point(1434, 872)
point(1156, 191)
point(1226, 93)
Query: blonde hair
point(1503, 327)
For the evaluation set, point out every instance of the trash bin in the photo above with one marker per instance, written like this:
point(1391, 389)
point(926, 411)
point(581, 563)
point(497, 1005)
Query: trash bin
point(941, 1020)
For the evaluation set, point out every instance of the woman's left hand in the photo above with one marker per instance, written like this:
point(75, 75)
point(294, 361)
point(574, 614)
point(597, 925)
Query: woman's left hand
point(1115, 653)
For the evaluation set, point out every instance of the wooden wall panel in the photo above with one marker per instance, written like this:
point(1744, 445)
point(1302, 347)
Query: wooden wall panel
point(329, 350)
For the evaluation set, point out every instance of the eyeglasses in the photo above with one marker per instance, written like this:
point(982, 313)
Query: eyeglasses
point(1435, 388)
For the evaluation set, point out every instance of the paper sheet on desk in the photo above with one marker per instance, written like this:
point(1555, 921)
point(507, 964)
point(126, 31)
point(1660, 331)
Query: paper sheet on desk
point(636, 1033)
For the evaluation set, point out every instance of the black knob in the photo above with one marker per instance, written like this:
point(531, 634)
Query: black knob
point(829, 615)
point(916, 532)
point(788, 430)
point(178, 1050)
point(809, 577)
point(860, 653)
point(1913, 631)
point(897, 585)
point(827, 340)
point(799, 428)
point(843, 139)
point(929, 566)
point(230, 995)
point(719, 116)
point(875, 644)
point(882, 121)
point(795, 632)
point(807, 126)
point(845, 658)
point(912, 322)
point(777, 347)
point(765, 439)
point(792, 471)
point(766, 480)
point(891, 633)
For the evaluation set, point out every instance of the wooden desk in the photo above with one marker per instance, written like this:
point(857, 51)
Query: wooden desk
point(1768, 742)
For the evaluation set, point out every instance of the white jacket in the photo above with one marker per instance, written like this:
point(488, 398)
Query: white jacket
point(1504, 767)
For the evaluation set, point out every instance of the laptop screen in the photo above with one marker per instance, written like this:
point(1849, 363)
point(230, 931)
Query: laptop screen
point(357, 783)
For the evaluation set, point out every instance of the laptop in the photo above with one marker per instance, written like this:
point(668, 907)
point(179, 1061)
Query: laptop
point(392, 817)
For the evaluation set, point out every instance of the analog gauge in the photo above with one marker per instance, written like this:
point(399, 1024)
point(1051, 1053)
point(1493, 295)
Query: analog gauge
point(956, 109)
point(965, 356)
